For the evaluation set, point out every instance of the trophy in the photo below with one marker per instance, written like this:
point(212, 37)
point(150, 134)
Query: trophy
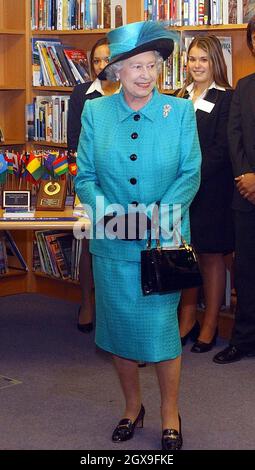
point(51, 195)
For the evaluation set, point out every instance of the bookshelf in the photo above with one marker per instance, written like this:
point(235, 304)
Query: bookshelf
point(16, 90)
point(15, 282)
point(13, 86)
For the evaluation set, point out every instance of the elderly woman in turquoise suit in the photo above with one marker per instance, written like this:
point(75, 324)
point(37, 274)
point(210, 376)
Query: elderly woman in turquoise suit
point(136, 148)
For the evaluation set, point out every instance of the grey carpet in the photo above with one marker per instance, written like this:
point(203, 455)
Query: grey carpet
point(69, 396)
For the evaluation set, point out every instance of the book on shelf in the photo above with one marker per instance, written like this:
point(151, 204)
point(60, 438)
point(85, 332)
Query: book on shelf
point(30, 121)
point(226, 44)
point(76, 14)
point(199, 12)
point(118, 13)
point(248, 10)
point(44, 71)
point(57, 254)
point(64, 64)
point(50, 118)
point(62, 248)
point(14, 256)
point(36, 64)
point(59, 65)
point(78, 63)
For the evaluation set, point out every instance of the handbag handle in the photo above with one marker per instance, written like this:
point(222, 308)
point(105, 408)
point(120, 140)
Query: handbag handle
point(157, 238)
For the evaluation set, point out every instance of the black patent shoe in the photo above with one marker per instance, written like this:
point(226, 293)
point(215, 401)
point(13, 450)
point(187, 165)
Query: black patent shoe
point(126, 428)
point(231, 354)
point(201, 347)
point(193, 334)
point(84, 327)
point(172, 439)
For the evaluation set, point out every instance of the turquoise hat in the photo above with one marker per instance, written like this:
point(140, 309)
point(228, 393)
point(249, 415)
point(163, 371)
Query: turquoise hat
point(135, 38)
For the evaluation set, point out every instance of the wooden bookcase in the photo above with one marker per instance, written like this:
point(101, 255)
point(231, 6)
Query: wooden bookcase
point(16, 90)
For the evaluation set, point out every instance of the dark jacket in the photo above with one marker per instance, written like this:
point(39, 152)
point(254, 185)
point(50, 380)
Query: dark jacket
point(76, 104)
point(210, 211)
point(213, 133)
point(241, 135)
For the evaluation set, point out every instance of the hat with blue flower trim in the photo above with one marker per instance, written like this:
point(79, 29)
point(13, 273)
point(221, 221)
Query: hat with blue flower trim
point(135, 38)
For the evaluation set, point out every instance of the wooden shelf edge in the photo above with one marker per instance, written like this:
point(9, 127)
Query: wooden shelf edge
point(13, 32)
point(7, 143)
point(65, 89)
point(13, 273)
point(66, 32)
point(105, 31)
point(45, 143)
point(242, 26)
point(53, 278)
point(12, 88)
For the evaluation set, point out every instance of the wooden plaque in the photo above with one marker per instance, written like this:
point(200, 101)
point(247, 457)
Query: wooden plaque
point(51, 195)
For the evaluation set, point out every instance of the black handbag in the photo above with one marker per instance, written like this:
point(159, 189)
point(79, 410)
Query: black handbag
point(165, 270)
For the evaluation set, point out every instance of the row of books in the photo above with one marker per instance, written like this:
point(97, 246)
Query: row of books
point(199, 12)
point(55, 64)
point(173, 72)
point(10, 255)
point(57, 254)
point(46, 119)
point(77, 14)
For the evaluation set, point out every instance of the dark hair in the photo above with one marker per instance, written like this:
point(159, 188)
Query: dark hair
point(211, 45)
point(100, 42)
point(250, 32)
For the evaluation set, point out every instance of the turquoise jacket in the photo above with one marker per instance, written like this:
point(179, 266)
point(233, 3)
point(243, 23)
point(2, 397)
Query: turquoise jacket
point(145, 156)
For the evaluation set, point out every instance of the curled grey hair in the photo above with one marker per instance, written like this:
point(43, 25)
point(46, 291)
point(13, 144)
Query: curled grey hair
point(113, 69)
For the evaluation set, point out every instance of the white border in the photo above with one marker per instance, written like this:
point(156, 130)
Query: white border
point(6, 192)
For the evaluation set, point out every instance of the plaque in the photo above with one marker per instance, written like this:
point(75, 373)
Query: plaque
point(51, 195)
point(16, 199)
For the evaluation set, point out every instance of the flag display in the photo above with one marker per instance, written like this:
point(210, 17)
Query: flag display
point(3, 169)
point(3, 164)
point(34, 167)
point(60, 165)
point(9, 160)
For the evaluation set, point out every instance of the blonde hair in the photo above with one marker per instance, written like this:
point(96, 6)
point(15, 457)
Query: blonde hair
point(211, 45)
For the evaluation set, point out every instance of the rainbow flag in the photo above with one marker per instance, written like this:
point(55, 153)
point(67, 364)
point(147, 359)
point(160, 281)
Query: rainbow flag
point(60, 166)
point(34, 167)
point(9, 159)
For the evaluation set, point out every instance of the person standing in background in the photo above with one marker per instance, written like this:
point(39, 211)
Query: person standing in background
point(212, 230)
point(99, 58)
point(241, 133)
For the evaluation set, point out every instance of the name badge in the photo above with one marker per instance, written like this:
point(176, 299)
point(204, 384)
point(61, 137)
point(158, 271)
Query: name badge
point(206, 106)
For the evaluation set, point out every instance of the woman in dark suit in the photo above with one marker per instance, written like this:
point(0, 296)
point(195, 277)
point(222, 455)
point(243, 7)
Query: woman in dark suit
point(210, 213)
point(99, 58)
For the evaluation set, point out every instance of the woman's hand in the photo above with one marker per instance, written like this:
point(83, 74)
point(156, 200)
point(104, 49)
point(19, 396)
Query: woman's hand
point(129, 227)
point(246, 186)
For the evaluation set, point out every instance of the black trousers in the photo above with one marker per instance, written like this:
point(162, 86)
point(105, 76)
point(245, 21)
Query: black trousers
point(243, 334)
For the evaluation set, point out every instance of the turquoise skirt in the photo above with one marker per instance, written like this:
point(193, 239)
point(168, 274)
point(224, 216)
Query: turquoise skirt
point(129, 324)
